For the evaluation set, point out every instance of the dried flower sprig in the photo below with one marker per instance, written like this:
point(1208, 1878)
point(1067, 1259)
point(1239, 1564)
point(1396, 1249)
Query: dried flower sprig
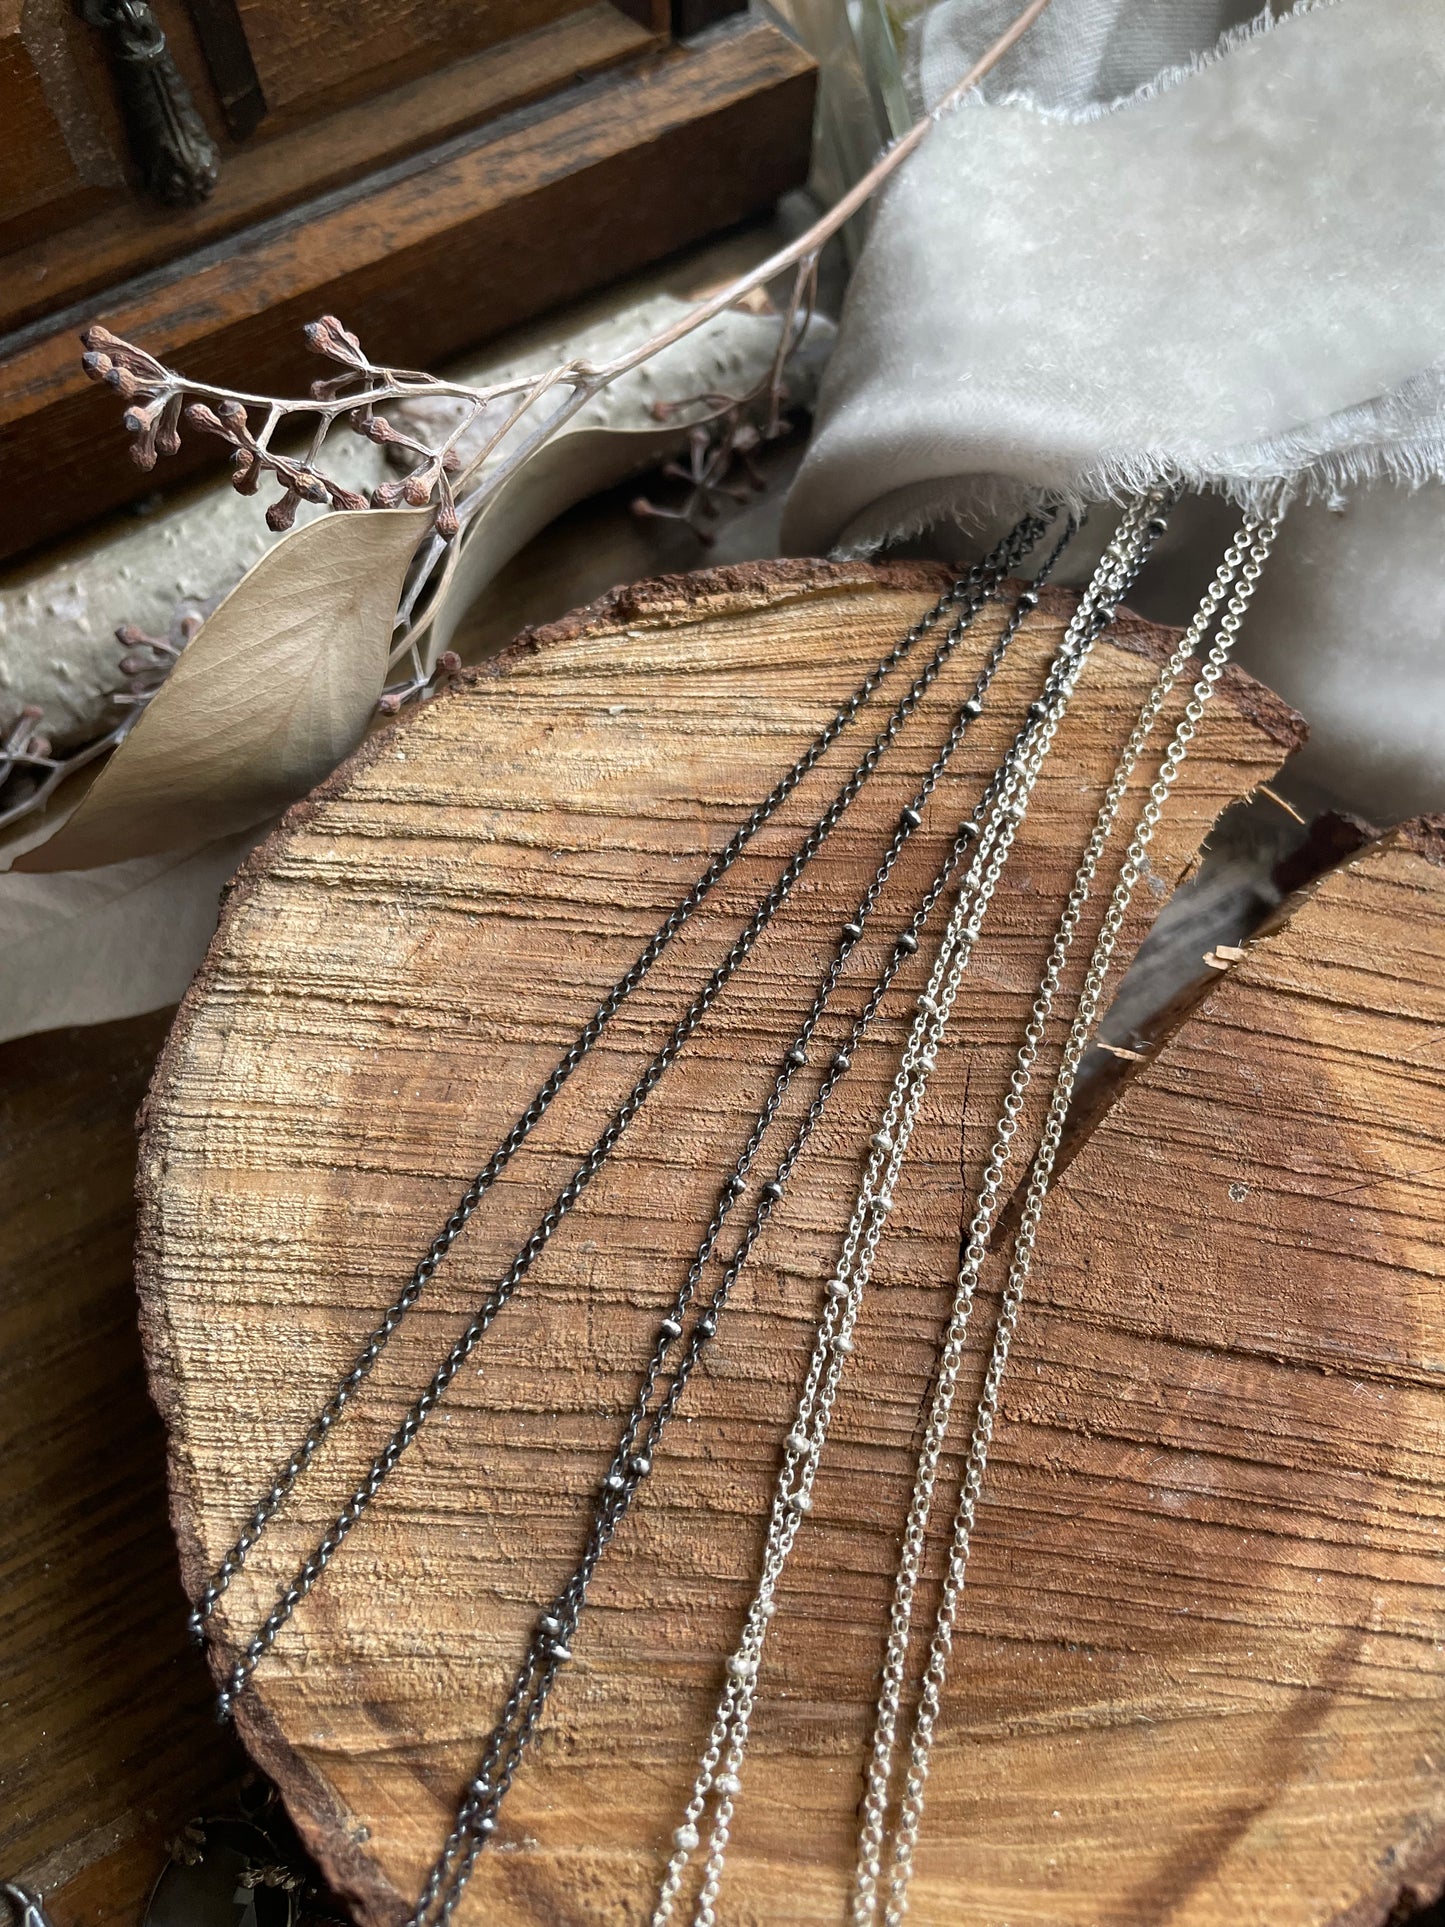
point(31, 770)
point(357, 394)
point(161, 401)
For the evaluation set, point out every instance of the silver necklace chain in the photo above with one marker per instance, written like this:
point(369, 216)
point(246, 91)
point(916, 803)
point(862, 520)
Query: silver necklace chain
point(1240, 569)
point(1007, 802)
point(642, 1432)
point(966, 597)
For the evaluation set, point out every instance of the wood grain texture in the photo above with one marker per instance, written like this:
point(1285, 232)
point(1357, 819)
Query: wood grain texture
point(38, 177)
point(1220, 1487)
point(442, 251)
point(395, 972)
point(107, 1743)
point(272, 170)
point(313, 54)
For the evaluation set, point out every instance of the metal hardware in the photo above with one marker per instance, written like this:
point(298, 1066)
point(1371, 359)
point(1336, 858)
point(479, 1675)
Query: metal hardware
point(25, 1907)
point(179, 162)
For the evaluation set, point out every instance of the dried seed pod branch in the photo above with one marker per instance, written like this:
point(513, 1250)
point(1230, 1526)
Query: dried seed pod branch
point(160, 398)
point(161, 402)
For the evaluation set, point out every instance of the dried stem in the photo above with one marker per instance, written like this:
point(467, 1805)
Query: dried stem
point(159, 400)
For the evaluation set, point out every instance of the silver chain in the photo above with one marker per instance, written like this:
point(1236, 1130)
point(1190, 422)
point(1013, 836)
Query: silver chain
point(1241, 566)
point(1007, 803)
point(549, 1648)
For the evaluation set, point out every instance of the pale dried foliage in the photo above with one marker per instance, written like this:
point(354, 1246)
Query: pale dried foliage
point(503, 427)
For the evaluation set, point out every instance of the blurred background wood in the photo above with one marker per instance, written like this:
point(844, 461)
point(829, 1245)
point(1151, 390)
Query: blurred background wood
point(109, 1740)
point(434, 173)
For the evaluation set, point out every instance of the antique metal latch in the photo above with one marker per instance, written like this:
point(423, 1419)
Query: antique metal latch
point(178, 160)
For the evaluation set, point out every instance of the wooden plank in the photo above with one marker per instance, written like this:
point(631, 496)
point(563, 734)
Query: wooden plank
point(262, 176)
point(108, 1740)
point(451, 247)
point(315, 54)
point(396, 971)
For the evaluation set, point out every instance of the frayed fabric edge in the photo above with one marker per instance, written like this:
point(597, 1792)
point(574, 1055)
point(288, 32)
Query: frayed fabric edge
point(976, 503)
point(1166, 81)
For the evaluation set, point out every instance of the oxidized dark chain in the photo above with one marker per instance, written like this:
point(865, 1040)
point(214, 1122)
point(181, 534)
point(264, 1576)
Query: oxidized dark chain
point(967, 593)
point(549, 1649)
point(970, 593)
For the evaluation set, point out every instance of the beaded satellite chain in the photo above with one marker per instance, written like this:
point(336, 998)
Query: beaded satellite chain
point(633, 1458)
point(718, 1774)
point(967, 596)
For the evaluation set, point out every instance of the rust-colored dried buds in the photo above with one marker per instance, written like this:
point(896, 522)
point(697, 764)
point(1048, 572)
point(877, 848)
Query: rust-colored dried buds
point(207, 420)
point(386, 495)
point(168, 434)
point(389, 704)
point(379, 429)
point(148, 659)
point(416, 489)
point(142, 421)
point(451, 461)
point(282, 514)
point(448, 663)
point(346, 498)
point(246, 472)
point(130, 371)
point(233, 415)
point(328, 337)
point(447, 522)
point(310, 487)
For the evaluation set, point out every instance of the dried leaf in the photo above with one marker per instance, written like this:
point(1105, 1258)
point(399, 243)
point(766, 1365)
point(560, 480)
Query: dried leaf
point(278, 686)
point(578, 463)
point(92, 945)
point(616, 436)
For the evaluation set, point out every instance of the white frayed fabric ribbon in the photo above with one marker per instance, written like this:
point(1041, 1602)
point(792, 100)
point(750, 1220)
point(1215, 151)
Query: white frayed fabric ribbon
point(1233, 278)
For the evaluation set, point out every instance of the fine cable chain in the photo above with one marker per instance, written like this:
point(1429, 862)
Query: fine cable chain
point(1257, 535)
point(879, 1770)
point(991, 571)
point(731, 1726)
point(548, 1649)
point(1135, 536)
point(970, 591)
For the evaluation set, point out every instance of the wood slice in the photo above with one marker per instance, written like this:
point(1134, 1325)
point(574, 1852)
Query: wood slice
point(1153, 1639)
point(1221, 1479)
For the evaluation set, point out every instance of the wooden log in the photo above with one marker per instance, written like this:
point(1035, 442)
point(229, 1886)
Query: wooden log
point(396, 971)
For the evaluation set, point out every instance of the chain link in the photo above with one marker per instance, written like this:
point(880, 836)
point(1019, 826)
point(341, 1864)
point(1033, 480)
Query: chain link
point(968, 591)
point(1004, 805)
point(1240, 569)
point(969, 595)
point(632, 1461)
